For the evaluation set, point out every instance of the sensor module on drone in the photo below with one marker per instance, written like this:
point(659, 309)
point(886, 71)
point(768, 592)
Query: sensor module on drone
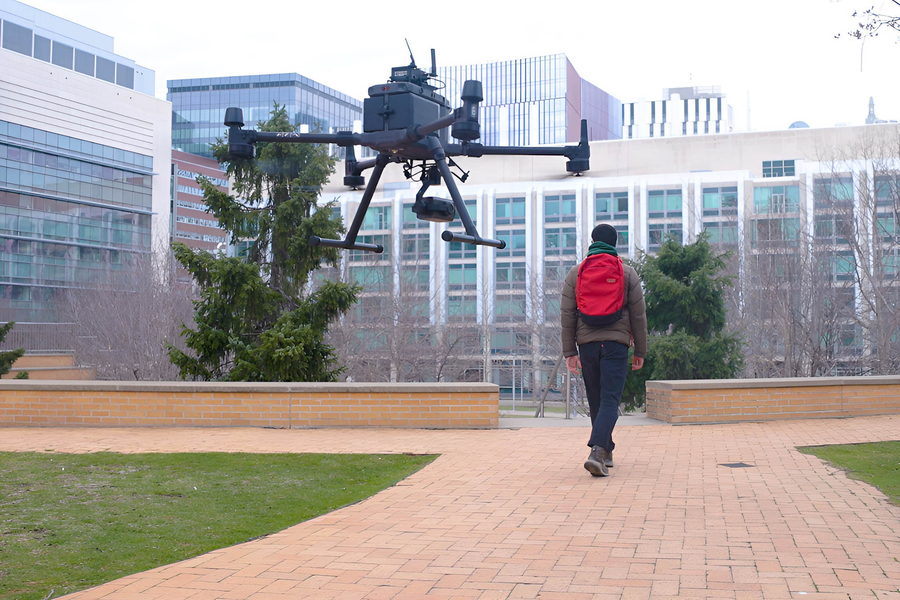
point(406, 122)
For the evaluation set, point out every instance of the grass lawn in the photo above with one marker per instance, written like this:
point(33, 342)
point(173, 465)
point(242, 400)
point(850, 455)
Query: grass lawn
point(72, 521)
point(877, 463)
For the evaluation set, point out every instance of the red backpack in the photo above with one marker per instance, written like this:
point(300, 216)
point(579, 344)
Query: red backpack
point(600, 290)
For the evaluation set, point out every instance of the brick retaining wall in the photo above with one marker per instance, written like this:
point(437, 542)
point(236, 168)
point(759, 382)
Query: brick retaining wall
point(116, 403)
point(723, 400)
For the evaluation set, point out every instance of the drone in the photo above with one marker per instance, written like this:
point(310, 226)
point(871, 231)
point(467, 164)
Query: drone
point(405, 121)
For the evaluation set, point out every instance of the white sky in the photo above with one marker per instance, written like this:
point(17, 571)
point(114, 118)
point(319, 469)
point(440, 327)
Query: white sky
point(781, 52)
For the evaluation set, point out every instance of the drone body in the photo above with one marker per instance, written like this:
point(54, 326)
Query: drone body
point(406, 121)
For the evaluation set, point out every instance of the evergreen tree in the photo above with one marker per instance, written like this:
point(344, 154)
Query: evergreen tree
point(684, 293)
point(256, 318)
point(8, 359)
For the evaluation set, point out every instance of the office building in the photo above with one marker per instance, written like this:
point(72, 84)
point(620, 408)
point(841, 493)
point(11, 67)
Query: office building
point(780, 201)
point(532, 101)
point(84, 162)
point(683, 111)
point(198, 106)
point(191, 224)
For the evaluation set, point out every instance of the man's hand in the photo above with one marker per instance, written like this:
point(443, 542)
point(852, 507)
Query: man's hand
point(636, 363)
point(573, 363)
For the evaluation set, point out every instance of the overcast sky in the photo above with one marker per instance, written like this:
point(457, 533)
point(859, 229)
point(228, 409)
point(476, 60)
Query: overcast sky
point(780, 55)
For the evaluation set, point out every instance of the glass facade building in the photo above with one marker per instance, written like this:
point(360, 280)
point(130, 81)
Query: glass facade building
point(198, 106)
point(70, 211)
point(80, 200)
point(534, 101)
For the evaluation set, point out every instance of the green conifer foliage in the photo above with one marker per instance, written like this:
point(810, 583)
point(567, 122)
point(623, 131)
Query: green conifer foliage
point(256, 318)
point(7, 359)
point(684, 293)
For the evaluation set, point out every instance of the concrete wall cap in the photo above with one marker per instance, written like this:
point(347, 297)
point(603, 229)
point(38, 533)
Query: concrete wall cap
point(200, 387)
point(780, 382)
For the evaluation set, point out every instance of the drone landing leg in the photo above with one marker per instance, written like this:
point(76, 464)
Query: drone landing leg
point(471, 236)
point(350, 243)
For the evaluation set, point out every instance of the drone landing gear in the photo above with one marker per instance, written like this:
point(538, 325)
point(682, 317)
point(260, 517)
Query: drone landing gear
point(427, 208)
point(350, 243)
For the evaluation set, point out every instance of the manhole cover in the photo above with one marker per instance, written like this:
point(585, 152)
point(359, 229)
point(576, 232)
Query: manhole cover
point(737, 465)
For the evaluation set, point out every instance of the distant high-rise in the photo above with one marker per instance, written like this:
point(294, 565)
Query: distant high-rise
point(871, 118)
point(198, 106)
point(682, 111)
point(539, 100)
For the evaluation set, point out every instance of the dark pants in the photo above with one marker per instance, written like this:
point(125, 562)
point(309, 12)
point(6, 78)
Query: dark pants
point(604, 367)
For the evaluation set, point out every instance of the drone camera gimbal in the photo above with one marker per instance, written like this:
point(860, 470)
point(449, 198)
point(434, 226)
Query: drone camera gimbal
point(406, 121)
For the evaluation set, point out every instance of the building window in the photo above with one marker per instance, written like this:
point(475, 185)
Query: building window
point(63, 55)
point(41, 48)
point(377, 217)
point(559, 241)
point(515, 242)
point(659, 232)
point(16, 38)
point(778, 168)
point(414, 246)
point(510, 211)
point(415, 278)
point(84, 62)
point(775, 232)
point(611, 206)
point(725, 232)
point(510, 275)
point(829, 192)
point(622, 238)
point(462, 277)
point(719, 201)
point(559, 208)
point(776, 199)
point(509, 308)
point(664, 204)
point(461, 308)
point(362, 255)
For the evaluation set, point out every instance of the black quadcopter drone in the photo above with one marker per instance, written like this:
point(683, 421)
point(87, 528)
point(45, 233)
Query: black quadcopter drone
point(393, 117)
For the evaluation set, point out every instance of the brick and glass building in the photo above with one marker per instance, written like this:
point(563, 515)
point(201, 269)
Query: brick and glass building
point(191, 224)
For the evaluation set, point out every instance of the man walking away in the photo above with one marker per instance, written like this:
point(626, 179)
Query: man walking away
point(602, 313)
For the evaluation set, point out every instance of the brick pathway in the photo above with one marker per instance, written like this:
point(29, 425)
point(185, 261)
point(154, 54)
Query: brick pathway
point(512, 514)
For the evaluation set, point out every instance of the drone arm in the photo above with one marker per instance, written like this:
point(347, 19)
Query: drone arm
point(342, 138)
point(579, 155)
point(349, 242)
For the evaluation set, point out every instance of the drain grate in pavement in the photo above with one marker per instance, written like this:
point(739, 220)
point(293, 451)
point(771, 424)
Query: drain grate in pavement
point(737, 465)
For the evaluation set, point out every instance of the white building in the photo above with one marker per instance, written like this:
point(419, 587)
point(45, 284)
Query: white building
point(760, 194)
point(84, 160)
point(682, 111)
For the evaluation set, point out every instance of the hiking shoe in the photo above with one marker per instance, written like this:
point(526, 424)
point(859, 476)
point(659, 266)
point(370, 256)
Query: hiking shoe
point(596, 462)
point(608, 460)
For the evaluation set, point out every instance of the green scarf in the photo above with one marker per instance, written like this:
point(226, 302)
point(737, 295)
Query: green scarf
point(601, 248)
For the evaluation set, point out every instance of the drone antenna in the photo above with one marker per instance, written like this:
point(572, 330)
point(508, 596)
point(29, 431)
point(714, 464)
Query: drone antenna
point(412, 60)
point(433, 64)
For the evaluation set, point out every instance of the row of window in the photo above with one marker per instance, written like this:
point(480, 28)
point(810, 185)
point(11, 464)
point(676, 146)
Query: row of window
point(24, 41)
point(78, 148)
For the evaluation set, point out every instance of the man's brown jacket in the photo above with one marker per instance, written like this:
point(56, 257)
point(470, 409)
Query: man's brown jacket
point(631, 327)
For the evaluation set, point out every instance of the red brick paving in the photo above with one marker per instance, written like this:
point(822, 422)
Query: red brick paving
point(512, 514)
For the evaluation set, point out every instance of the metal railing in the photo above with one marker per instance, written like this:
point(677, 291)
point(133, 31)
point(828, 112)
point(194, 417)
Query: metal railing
point(41, 338)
